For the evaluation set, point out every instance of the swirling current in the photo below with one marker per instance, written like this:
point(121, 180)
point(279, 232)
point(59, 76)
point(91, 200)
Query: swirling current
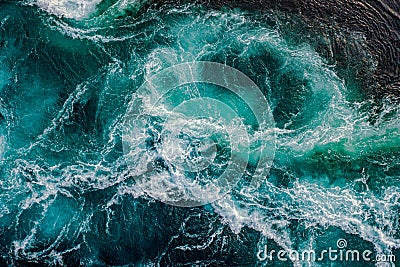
point(79, 130)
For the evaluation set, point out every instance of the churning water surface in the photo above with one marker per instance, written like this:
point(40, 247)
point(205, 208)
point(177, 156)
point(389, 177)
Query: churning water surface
point(69, 196)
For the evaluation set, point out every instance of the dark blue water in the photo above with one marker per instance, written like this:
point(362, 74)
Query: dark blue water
point(68, 197)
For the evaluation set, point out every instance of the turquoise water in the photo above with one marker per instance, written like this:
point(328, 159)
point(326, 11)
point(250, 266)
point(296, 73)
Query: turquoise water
point(68, 73)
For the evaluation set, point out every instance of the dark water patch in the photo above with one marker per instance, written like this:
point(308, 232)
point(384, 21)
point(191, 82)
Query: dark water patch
point(377, 22)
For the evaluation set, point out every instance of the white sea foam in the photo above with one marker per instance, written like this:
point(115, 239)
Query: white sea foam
point(271, 211)
point(80, 10)
point(68, 8)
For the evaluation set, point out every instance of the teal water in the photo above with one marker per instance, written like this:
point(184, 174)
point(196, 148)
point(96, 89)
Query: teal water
point(68, 73)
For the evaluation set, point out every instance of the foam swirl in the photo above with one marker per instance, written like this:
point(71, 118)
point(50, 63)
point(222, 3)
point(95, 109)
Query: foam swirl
point(197, 138)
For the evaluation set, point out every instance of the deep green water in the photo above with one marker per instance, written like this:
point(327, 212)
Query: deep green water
point(68, 197)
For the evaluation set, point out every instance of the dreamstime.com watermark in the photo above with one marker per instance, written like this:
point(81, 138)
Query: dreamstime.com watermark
point(340, 253)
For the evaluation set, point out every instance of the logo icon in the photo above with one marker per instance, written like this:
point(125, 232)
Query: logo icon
point(341, 243)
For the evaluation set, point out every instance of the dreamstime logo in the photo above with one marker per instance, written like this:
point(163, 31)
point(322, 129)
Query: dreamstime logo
point(340, 253)
point(341, 243)
point(193, 130)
